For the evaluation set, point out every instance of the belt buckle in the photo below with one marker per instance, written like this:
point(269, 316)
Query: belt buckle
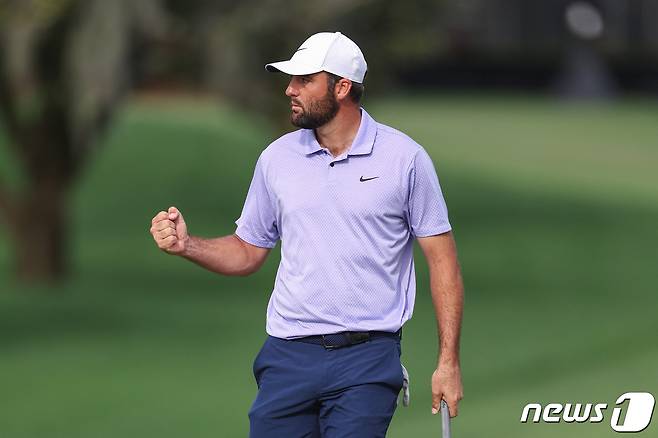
point(328, 346)
point(352, 338)
point(358, 337)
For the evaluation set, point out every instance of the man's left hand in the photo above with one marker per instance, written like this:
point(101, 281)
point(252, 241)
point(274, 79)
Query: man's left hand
point(447, 385)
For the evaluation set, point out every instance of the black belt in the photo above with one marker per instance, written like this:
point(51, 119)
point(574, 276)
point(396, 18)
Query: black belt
point(344, 339)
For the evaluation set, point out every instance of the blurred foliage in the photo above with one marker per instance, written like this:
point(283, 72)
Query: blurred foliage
point(41, 12)
point(236, 39)
point(63, 70)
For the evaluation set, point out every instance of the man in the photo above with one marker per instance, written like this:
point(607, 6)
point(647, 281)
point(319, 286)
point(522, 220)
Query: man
point(346, 196)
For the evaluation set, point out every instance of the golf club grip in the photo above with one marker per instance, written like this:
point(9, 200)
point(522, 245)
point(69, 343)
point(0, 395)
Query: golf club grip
point(445, 419)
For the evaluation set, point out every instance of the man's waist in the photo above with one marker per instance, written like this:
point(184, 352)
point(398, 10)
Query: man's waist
point(344, 339)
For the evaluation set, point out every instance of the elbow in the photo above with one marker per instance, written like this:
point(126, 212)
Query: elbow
point(242, 272)
point(246, 271)
point(253, 258)
point(250, 266)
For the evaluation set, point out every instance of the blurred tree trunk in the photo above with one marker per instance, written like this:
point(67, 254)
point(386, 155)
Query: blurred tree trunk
point(40, 234)
point(63, 70)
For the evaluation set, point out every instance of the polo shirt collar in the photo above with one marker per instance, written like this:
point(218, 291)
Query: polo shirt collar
point(361, 145)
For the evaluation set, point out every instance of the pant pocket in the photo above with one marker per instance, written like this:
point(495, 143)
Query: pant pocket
point(258, 361)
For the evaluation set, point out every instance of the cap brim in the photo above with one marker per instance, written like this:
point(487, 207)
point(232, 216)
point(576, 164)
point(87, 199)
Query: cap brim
point(291, 68)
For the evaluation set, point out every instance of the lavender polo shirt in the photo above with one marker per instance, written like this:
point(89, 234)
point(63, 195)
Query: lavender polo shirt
point(346, 226)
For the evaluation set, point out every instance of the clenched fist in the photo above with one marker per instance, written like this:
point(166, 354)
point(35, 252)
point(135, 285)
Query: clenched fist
point(169, 231)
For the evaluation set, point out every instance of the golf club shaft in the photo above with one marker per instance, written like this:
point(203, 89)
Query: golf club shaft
point(445, 419)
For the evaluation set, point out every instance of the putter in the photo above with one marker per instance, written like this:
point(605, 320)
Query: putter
point(445, 420)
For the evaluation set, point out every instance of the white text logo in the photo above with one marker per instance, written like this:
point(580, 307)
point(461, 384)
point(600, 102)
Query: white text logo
point(634, 417)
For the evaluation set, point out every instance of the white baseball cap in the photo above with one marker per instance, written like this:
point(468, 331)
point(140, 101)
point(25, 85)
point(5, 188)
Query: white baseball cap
point(332, 52)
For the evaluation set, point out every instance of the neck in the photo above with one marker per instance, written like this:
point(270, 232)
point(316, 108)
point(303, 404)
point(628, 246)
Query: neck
point(339, 133)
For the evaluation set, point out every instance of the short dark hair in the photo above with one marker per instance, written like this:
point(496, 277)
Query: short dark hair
point(356, 92)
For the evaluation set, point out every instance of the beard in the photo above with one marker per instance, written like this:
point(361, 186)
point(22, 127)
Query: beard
point(319, 112)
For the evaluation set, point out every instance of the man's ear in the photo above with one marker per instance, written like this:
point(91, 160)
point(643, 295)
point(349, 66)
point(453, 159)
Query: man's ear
point(342, 88)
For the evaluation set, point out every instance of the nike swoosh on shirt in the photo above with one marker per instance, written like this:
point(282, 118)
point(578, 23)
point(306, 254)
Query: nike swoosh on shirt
point(362, 179)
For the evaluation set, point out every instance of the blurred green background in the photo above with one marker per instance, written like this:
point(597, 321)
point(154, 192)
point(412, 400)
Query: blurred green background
point(553, 200)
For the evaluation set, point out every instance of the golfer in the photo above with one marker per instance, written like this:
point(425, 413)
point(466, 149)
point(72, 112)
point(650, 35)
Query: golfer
point(347, 196)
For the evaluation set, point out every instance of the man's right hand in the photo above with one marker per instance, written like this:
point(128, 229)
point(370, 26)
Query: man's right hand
point(169, 231)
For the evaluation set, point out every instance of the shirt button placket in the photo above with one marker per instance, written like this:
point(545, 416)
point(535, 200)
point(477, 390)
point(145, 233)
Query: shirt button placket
point(332, 170)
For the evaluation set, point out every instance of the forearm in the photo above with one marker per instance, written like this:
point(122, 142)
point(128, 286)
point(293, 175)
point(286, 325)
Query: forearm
point(448, 299)
point(447, 293)
point(225, 255)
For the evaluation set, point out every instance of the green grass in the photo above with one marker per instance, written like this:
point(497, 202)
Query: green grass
point(554, 208)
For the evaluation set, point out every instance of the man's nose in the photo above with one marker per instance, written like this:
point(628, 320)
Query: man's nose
point(290, 91)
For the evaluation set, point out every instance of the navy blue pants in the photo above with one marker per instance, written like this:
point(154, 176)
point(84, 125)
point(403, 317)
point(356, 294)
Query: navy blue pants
point(305, 390)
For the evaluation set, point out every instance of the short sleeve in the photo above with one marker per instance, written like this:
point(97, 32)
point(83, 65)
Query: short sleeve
point(427, 210)
point(257, 224)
